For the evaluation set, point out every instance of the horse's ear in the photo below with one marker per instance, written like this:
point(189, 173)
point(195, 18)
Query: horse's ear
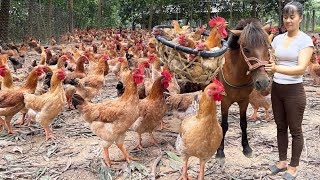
point(236, 32)
point(267, 27)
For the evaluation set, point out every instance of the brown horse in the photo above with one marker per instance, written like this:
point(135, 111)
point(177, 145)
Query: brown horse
point(244, 70)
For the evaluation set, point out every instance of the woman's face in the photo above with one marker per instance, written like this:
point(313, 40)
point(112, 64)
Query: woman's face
point(292, 21)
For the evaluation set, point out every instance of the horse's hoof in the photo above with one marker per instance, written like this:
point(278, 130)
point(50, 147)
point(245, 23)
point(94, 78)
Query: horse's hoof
point(247, 151)
point(220, 154)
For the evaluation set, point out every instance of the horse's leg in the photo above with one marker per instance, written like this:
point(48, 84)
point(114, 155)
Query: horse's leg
point(247, 151)
point(224, 124)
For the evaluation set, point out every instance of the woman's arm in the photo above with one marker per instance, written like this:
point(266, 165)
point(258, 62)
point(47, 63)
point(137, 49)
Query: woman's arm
point(303, 61)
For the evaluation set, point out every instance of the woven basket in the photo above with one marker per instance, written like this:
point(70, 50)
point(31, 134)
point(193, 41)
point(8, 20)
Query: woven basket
point(202, 69)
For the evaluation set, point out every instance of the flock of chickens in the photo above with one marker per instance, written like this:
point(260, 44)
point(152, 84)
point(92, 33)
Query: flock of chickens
point(68, 75)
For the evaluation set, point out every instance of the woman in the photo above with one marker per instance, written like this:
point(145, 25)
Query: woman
point(293, 50)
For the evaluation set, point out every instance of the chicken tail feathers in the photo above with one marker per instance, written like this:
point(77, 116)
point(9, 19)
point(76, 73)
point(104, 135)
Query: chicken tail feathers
point(77, 100)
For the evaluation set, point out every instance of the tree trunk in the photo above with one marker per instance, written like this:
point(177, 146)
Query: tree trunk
point(4, 20)
point(49, 18)
point(231, 14)
point(280, 13)
point(30, 17)
point(70, 9)
point(254, 8)
point(99, 13)
point(151, 15)
point(209, 12)
point(313, 19)
point(308, 21)
point(161, 13)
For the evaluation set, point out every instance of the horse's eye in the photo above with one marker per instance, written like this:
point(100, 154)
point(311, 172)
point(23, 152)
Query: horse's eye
point(246, 50)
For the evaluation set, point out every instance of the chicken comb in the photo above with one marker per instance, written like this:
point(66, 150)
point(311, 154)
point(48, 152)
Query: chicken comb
point(183, 36)
point(141, 68)
point(105, 57)
point(166, 74)
point(216, 21)
point(200, 44)
point(120, 59)
point(2, 66)
point(217, 82)
point(273, 30)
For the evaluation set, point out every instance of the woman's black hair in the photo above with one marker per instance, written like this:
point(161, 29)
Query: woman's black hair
point(292, 7)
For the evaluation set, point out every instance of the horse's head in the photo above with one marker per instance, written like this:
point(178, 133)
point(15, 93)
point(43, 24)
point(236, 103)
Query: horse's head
point(255, 51)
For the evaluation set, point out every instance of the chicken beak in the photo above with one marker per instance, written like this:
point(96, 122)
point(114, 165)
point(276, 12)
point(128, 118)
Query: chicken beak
point(223, 93)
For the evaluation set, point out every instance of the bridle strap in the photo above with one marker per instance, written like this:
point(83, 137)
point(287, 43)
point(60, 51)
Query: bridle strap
point(256, 65)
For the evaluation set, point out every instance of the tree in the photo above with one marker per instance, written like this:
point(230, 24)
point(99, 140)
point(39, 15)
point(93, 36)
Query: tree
point(4, 20)
point(99, 13)
point(49, 17)
point(70, 10)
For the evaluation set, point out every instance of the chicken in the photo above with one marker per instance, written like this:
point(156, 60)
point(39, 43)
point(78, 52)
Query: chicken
point(196, 36)
point(200, 135)
point(177, 29)
point(7, 82)
point(17, 63)
point(90, 86)
point(46, 107)
point(257, 100)
point(183, 40)
point(79, 71)
point(53, 42)
point(60, 64)
point(314, 68)
point(174, 87)
point(112, 118)
point(217, 32)
point(11, 102)
point(152, 108)
point(272, 33)
point(182, 105)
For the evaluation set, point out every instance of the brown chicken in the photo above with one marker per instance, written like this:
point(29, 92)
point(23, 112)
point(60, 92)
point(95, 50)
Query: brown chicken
point(257, 100)
point(60, 63)
point(178, 29)
point(79, 71)
point(7, 81)
point(11, 102)
point(90, 86)
point(217, 33)
point(314, 68)
point(152, 109)
point(201, 135)
point(46, 107)
point(112, 118)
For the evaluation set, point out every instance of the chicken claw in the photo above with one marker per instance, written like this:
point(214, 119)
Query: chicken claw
point(185, 172)
point(126, 155)
point(21, 122)
point(163, 126)
point(49, 134)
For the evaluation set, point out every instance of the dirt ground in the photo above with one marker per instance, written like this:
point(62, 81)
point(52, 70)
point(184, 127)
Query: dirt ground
point(77, 152)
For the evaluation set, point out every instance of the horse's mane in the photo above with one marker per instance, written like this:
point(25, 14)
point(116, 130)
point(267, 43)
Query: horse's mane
point(252, 34)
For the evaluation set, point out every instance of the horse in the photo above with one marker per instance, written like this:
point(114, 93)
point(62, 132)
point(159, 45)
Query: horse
point(248, 52)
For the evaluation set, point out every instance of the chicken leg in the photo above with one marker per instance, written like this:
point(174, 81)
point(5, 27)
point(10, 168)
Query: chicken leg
point(153, 140)
point(106, 157)
point(2, 123)
point(8, 122)
point(126, 155)
point(21, 122)
point(201, 174)
point(185, 171)
point(48, 132)
point(139, 144)
point(254, 115)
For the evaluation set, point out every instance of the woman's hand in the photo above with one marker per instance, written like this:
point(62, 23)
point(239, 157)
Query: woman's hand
point(271, 67)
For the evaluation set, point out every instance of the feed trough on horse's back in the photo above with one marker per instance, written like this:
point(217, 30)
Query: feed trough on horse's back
point(202, 68)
